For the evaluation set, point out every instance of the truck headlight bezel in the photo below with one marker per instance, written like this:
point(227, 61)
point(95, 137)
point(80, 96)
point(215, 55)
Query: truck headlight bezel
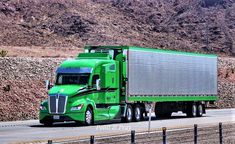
point(42, 108)
point(76, 108)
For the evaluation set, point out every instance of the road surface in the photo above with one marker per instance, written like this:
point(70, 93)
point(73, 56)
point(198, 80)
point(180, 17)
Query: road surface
point(32, 131)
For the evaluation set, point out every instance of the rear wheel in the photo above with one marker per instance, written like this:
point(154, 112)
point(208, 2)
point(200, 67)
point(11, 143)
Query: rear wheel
point(89, 117)
point(138, 114)
point(192, 110)
point(199, 110)
point(129, 114)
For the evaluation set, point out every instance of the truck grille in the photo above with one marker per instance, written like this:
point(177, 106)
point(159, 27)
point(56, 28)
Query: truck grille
point(57, 104)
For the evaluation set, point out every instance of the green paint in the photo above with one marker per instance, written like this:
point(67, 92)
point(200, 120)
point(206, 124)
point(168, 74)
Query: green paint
point(69, 90)
point(93, 56)
point(172, 98)
point(155, 50)
point(94, 63)
point(173, 52)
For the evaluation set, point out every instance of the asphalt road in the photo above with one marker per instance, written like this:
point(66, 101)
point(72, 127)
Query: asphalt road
point(32, 131)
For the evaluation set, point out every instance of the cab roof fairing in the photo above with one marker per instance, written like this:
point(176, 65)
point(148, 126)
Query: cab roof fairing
point(83, 63)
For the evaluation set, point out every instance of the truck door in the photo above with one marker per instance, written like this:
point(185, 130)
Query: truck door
point(108, 95)
point(110, 83)
point(102, 110)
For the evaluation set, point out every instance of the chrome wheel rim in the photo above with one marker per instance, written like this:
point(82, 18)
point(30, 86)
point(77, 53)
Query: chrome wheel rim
point(88, 117)
point(137, 113)
point(129, 114)
point(194, 110)
point(200, 110)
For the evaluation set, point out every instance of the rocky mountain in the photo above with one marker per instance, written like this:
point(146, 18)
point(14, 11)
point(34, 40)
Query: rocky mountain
point(190, 25)
point(60, 28)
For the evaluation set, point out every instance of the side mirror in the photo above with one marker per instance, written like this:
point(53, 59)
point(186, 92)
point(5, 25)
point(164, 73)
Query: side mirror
point(97, 84)
point(48, 84)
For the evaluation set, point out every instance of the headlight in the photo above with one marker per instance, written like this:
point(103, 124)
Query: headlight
point(42, 107)
point(77, 107)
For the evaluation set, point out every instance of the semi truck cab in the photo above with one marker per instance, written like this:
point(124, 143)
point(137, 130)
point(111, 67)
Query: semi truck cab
point(86, 89)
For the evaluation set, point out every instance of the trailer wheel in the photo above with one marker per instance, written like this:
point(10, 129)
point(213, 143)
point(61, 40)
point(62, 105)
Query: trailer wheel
point(88, 117)
point(138, 114)
point(199, 110)
point(192, 110)
point(129, 114)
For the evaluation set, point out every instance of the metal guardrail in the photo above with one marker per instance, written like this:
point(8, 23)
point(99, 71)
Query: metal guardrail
point(164, 136)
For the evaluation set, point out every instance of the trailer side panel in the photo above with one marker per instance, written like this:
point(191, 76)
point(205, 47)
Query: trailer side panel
point(159, 73)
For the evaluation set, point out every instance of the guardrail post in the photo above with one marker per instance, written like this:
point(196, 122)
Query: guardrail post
point(220, 133)
point(49, 142)
point(195, 134)
point(92, 139)
point(164, 135)
point(132, 137)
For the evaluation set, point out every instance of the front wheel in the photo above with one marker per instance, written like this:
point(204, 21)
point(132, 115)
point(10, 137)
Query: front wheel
point(89, 117)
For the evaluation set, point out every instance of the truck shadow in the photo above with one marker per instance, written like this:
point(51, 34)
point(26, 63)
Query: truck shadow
point(73, 124)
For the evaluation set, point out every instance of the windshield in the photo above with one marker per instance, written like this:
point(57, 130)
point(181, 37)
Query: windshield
point(80, 79)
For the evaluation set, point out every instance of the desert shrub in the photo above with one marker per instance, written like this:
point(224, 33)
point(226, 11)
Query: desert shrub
point(3, 53)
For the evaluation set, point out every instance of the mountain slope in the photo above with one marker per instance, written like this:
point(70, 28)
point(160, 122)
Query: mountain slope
point(206, 26)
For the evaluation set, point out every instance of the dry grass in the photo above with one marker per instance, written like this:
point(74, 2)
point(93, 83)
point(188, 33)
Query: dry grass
point(53, 52)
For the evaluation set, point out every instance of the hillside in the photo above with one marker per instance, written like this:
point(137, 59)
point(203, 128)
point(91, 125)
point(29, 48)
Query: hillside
point(50, 29)
point(22, 85)
point(206, 26)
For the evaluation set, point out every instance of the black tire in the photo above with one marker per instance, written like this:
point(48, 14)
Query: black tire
point(192, 110)
point(199, 110)
point(89, 119)
point(129, 114)
point(138, 113)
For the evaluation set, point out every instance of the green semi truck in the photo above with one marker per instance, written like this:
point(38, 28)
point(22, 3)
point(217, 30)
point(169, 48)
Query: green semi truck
point(122, 82)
